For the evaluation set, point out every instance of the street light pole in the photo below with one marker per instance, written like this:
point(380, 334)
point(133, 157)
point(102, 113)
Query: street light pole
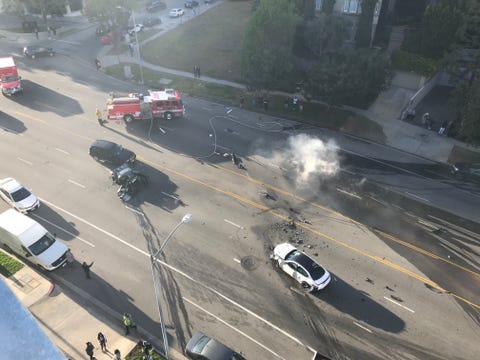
point(138, 49)
point(156, 281)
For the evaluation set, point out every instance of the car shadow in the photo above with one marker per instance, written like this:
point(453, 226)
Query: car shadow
point(360, 305)
point(65, 230)
point(11, 124)
point(160, 190)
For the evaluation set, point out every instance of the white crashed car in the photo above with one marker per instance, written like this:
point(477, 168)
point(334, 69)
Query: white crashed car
point(301, 267)
point(175, 13)
point(18, 196)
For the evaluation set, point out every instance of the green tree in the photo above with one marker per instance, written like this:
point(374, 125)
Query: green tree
point(354, 79)
point(327, 6)
point(439, 29)
point(363, 36)
point(469, 115)
point(113, 12)
point(267, 59)
point(326, 34)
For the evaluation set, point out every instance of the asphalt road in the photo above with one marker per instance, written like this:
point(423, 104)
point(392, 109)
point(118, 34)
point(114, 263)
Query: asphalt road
point(406, 279)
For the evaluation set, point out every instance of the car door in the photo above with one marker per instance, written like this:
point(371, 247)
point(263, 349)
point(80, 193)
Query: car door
point(290, 268)
point(6, 195)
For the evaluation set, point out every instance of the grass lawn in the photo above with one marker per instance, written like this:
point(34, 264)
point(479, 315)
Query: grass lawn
point(8, 265)
point(213, 40)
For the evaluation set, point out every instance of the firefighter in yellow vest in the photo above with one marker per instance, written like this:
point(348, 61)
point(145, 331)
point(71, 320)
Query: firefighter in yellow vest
point(127, 322)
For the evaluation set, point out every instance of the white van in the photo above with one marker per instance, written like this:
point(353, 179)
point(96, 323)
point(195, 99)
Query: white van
point(27, 238)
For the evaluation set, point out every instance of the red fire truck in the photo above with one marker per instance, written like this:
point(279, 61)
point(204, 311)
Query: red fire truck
point(165, 104)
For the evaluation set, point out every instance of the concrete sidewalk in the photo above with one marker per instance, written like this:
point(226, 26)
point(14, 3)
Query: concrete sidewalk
point(70, 317)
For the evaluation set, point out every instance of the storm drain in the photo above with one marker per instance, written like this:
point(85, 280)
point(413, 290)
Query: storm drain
point(249, 263)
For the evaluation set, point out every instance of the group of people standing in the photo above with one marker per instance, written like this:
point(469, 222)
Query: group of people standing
point(102, 341)
point(196, 71)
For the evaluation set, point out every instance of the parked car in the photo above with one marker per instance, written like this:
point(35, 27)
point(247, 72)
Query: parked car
point(151, 21)
point(301, 267)
point(466, 171)
point(201, 346)
point(17, 196)
point(191, 4)
point(107, 39)
point(177, 12)
point(135, 29)
point(36, 51)
point(155, 6)
point(111, 153)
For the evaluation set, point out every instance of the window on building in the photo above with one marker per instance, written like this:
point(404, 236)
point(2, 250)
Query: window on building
point(318, 5)
point(351, 6)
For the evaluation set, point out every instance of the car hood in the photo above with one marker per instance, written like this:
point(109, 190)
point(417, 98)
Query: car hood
point(28, 202)
point(52, 254)
point(283, 250)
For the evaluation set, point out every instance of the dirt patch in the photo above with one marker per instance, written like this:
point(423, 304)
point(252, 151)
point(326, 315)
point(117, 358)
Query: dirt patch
point(461, 154)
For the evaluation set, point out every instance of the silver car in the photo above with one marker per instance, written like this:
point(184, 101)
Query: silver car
point(18, 196)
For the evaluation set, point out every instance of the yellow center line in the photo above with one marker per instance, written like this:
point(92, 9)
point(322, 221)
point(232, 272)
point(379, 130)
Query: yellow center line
point(266, 209)
point(425, 252)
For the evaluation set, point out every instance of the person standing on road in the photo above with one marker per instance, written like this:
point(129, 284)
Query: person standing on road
point(102, 340)
point(130, 47)
point(86, 269)
point(89, 350)
point(127, 322)
point(98, 114)
point(98, 64)
point(36, 33)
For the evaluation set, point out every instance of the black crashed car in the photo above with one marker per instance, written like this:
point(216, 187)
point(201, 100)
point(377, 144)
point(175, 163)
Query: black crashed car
point(466, 171)
point(201, 346)
point(111, 153)
point(37, 51)
point(191, 4)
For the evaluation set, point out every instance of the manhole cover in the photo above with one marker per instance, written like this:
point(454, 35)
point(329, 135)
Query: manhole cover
point(249, 263)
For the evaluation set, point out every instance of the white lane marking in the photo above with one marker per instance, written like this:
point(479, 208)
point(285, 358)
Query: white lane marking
point(258, 317)
point(233, 328)
point(135, 211)
point(348, 171)
point(75, 183)
point(170, 196)
point(69, 42)
point(416, 196)
point(236, 260)
point(349, 194)
point(397, 303)
point(97, 228)
point(62, 151)
point(64, 230)
point(232, 223)
point(163, 131)
point(363, 327)
point(25, 161)
point(207, 109)
point(9, 130)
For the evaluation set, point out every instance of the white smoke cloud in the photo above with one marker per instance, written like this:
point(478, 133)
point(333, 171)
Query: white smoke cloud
point(308, 159)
